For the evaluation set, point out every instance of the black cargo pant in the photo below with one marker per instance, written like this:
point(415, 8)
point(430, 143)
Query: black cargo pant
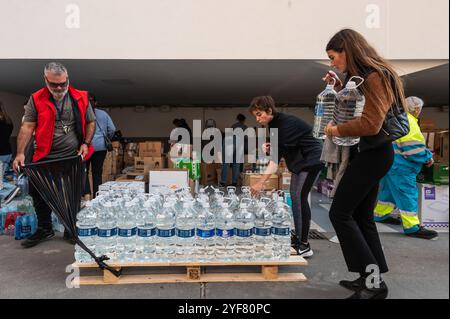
point(351, 212)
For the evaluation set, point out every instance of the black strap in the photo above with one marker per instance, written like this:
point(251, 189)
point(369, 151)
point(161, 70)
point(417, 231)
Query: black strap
point(60, 112)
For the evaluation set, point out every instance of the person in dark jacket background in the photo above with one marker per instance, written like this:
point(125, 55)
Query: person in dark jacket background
point(6, 128)
point(301, 152)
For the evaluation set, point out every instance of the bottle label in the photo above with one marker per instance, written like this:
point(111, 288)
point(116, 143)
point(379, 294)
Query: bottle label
point(166, 232)
point(225, 233)
point(244, 232)
point(107, 232)
point(25, 229)
point(86, 232)
point(318, 110)
point(285, 231)
point(185, 233)
point(263, 231)
point(146, 232)
point(129, 232)
point(205, 233)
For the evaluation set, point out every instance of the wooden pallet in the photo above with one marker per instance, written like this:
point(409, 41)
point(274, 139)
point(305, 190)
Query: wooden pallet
point(194, 273)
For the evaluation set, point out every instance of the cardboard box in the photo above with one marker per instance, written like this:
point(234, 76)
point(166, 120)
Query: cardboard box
point(137, 176)
point(285, 181)
point(164, 179)
point(249, 179)
point(433, 205)
point(427, 124)
point(208, 173)
point(444, 148)
point(151, 149)
point(145, 164)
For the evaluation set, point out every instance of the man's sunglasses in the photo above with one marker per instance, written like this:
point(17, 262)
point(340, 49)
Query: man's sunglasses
point(56, 85)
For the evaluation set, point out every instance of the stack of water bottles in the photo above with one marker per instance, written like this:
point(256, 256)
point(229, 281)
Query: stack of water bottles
point(213, 226)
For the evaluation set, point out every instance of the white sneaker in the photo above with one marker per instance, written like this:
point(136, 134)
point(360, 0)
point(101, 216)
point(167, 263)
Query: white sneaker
point(305, 251)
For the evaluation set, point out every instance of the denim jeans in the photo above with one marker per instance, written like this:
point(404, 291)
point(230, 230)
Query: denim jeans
point(5, 159)
point(236, 167)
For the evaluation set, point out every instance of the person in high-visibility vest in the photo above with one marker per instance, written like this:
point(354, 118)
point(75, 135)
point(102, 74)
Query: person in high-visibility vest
point(398, 189)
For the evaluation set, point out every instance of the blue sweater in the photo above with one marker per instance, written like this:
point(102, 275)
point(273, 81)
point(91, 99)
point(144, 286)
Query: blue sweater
point(104, 126)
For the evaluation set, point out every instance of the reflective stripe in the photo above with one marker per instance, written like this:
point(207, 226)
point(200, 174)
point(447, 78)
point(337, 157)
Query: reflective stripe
point(408, 143)
point(406, 213)
point(383, 209)
point(410, 221)
point(411, 152)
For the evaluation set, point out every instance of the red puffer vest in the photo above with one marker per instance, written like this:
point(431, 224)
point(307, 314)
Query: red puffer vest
point(46, 114)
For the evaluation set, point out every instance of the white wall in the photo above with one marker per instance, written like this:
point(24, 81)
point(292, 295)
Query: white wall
point(218, 29)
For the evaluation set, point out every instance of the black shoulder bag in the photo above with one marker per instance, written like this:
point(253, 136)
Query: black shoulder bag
point(109, 146)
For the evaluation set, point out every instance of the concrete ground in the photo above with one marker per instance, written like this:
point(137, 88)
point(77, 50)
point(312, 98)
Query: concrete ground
point(418, 269)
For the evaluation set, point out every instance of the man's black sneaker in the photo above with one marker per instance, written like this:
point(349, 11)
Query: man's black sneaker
point(304, 250)
point(390, 220)
point(354, 285)
point(371, 293)
point(424, 233)
point(39, 236)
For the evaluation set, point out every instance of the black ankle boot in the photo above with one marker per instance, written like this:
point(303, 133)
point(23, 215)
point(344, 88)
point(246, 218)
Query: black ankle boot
point(371, 293)
point(353, 285)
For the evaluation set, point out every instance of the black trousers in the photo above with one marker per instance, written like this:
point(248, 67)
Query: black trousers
point(43, 211)
point(352, 209)
point(96, 163)
point(300, 188)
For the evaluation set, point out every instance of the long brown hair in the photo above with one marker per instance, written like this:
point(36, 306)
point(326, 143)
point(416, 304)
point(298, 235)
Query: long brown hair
point(3, 116)
point(361, 57)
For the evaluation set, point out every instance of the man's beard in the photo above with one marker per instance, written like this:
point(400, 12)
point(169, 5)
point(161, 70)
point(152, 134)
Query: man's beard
point(58, 95)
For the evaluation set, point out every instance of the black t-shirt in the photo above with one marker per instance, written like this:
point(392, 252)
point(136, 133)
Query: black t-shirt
point(295, 142)
point(5, 134)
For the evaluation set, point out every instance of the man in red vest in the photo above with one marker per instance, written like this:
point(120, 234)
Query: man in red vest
point(63, 122)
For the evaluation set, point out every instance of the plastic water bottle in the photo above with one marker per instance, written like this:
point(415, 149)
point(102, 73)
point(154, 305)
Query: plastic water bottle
point(324, 110)
point(206, 229)
point(126, 232)
point(87, 232)
point(107, 230)
point(244, 244)
point(350, 106)
point(225, 233)
point(165, 231)
point(185, 233)
point(281, 231)
point(263, 233)
point(146, 231)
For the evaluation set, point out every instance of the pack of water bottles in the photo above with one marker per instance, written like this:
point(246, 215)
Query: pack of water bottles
point(338, 108)
point(213, 226)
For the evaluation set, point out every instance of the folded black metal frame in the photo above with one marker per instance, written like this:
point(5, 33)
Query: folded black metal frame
point(59, 182)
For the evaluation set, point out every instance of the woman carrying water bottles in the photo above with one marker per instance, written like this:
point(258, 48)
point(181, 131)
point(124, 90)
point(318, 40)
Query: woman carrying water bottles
point(352, 210)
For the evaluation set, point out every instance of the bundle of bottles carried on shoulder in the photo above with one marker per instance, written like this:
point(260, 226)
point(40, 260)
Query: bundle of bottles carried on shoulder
point(176, 227)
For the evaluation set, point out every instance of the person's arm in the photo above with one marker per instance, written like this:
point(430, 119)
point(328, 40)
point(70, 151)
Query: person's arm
point(259, 186)
point(374, 113)
point(89, 131)
point(111, 128)
point(23, 138)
